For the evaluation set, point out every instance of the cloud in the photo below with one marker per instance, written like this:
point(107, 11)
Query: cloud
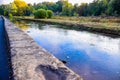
point(5, 1)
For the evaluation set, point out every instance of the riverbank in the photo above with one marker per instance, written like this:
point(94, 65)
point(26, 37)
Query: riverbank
point(110, 27)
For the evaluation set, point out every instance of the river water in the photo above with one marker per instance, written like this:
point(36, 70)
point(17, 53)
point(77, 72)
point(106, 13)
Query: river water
point(4, 69)
point(92, 56)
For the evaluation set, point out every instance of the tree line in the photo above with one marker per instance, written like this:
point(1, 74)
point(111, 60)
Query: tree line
point(100, 8)
point(63, 8)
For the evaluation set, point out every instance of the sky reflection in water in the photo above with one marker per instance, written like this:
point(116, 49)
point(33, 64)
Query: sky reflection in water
point(93, 56)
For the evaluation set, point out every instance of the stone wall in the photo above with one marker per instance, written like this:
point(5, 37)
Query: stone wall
point(32, 62)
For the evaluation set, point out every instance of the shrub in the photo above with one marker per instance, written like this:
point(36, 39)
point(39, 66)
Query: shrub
point(35, 14)
point(40, 13)
point(10, 15)
point(49, 13)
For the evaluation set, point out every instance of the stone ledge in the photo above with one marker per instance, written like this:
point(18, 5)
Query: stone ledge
point(32, 62)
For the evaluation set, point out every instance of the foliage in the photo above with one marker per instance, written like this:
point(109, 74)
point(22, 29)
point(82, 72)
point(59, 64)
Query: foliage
point(40, 13)
point(10, 15)
point(13, 8)
point(28, 10)
point(49, 13)
point(21, 6)
point(74, 10)
point(67, 8)
point(47, 6)
point(63, 7)
point(99, 8)
point(96, 8)
point(115, 5)
point(39, 6)
point(60, 4)
point(82, 9)
point(1, 10)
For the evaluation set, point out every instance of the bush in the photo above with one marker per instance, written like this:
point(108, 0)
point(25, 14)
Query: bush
point(40, 13)
point(10, 15)
point(49, 14)
point(35, 14)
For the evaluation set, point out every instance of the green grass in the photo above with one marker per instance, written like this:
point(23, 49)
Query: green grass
point(108, 23)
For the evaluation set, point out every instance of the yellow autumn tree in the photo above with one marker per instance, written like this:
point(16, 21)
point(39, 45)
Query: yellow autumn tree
point(21, 6)
point(20, 3)
point(13, 8)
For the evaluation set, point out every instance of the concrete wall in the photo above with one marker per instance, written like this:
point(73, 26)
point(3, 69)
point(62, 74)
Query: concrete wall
point(32, 62)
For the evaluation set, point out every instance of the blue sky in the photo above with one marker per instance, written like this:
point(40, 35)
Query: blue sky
point(37, 1)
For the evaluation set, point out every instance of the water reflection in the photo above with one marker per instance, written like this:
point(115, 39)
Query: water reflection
point(92, 56)
point(22, 25)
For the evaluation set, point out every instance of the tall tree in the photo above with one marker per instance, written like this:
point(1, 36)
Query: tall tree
point(67, 8)
point(60, 4)
point(1, 9)
point(21, 6)
point(115, 4)
point(82, 9)
point(13, 9)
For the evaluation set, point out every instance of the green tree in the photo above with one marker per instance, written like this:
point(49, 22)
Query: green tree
point(60, 4)
point(1, 10)
point(47, 6)
point(7, 9)
point(94, 8)
point(74, 11)
point(40, 13)
point(82, 9)
point(28, 10)
point(40, 6)
point(51, 6)
point(49, 13)
point(67, 8)
point(114, 7)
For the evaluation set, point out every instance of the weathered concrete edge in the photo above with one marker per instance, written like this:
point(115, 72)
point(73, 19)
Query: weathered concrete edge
point(28, 57)
point(108, 32)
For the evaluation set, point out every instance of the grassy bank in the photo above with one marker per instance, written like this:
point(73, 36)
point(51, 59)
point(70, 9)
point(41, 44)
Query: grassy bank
point(109, 25)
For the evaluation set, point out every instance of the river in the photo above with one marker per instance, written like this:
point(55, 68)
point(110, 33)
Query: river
point(4, 69)
point(92, 56)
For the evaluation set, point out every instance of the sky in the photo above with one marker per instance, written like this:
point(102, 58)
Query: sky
point(38, 1)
